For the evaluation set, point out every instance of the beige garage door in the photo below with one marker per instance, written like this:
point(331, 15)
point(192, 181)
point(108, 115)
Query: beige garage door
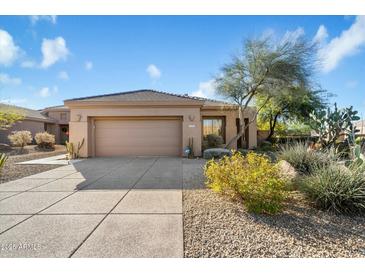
point(140, 137)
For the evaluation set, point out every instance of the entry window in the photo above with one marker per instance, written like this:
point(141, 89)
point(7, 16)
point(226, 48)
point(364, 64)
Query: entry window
point(213, 125)
point(63, 116)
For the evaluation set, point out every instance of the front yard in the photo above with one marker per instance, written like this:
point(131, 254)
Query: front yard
point(11, 171)
point(215, 226)
point(327, 221)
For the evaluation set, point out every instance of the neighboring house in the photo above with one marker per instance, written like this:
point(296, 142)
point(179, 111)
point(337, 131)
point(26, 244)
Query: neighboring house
point(34, 121)
point(360, 125)
point(60, 116)
point(148, 122)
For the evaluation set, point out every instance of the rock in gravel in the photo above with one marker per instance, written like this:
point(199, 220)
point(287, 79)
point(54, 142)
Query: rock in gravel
point(287, 170)
point(11, 171)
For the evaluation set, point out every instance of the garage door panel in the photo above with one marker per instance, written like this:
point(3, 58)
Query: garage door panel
point(138, 137)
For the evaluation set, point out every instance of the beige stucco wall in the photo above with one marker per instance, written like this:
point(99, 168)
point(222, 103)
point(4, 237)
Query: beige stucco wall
point(33, 126)
point(55, 130)
point(56, 115)
point(82, 117)
point(231, 127)
point(79, 129)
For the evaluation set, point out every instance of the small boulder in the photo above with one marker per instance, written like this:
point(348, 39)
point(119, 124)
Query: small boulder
point(287, 170)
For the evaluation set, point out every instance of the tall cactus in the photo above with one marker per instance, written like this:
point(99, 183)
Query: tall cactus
point(73, 152)
point(330, 124)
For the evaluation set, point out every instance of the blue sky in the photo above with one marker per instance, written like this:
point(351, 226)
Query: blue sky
point(44, 60)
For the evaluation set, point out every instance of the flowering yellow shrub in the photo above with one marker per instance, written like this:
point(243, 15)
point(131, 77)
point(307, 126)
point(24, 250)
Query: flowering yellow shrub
point(252, 177)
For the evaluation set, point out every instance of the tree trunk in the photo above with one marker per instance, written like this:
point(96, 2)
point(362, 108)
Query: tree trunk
point(243, 126)
point(272, 126)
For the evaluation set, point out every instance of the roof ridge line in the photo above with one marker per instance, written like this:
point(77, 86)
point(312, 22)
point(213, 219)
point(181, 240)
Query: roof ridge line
point(185, 96)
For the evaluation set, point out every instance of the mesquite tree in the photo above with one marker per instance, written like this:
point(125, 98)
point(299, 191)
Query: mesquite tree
point(263, 68)
point(294, 104)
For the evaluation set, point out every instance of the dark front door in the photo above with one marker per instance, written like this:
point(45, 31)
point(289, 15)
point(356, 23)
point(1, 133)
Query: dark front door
point(63, 134)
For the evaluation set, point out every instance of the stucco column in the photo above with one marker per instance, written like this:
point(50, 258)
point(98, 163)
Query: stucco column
point(191, 128)
point(231, 128)
point(252, 139)
point(78, 128)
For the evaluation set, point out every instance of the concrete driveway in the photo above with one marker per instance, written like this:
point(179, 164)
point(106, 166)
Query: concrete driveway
point(101, 207)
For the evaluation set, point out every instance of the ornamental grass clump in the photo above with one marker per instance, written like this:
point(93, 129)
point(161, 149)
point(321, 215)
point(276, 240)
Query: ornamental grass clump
point(337, 188)
point(252, 177)
point(305, 160)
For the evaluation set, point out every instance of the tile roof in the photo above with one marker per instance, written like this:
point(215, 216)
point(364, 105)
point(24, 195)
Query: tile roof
point(28, 113)
point(148, 95)
point(136, 95)
point(60, 107)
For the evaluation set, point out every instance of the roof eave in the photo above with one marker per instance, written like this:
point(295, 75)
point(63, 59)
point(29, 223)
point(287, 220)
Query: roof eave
point(74, 103)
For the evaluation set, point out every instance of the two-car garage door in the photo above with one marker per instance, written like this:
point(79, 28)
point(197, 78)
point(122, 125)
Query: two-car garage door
point(138, 137)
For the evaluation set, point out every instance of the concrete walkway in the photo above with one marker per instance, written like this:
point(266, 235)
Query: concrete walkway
point(53, 160)
point(101, 207)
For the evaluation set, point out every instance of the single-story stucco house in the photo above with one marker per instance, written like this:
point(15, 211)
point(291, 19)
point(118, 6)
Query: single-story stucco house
point(33, 121)
point(149, 122)
point(53, 120)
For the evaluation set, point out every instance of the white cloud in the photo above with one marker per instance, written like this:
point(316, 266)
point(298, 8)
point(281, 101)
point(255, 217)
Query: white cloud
point(293, 35)
point(9, 52)
point(321, 35)
point(89, 65)
point(50, 18)
point(206, 89)
point(63, 75)
point(53, 51)
point(46, 91)
point(351, 84)
point(5, 79)
point(153, 71)
point(28, 64)
point(348, 43)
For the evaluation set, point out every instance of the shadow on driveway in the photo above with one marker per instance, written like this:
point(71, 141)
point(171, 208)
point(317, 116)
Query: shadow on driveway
point(121, 173)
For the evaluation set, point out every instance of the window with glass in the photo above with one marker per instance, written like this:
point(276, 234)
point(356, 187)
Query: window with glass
point(214, 125)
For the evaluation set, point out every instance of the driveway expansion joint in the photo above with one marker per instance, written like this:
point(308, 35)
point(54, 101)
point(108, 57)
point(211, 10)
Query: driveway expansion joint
point(37, 213)
point(87, 237)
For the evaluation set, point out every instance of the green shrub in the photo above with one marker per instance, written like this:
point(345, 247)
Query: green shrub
point(343, 149)
point(266, 146)
point(272, 155)
point(20, 138)
point(305, 160)
point(45, 140)
point(253, 178)
point(337, 188)
point(212, 141)
point(216, 153)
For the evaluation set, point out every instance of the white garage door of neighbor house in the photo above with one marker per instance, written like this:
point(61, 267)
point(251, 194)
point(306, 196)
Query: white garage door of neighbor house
point(138, 137)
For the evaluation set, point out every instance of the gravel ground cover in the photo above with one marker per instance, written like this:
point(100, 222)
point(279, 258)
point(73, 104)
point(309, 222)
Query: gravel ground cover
point(215, 226)
point(11, 171)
